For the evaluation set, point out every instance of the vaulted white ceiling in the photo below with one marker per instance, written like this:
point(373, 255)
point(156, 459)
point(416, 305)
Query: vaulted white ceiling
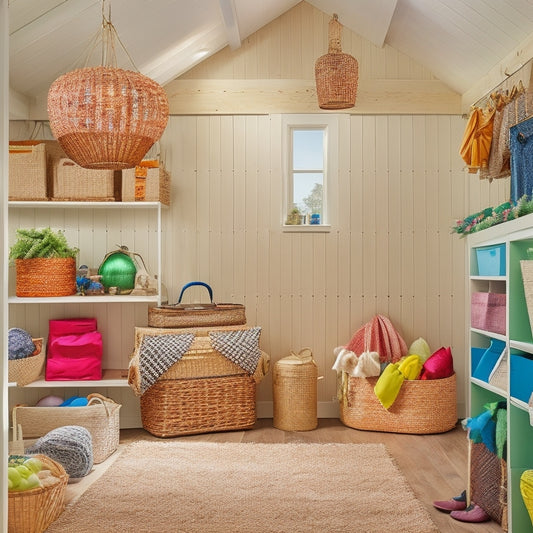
point(459, 41)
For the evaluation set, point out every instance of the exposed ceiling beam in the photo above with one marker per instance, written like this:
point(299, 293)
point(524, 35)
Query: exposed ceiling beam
point(230, 22)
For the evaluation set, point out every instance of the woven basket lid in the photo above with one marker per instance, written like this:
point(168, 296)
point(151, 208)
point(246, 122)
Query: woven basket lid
point(304, 356)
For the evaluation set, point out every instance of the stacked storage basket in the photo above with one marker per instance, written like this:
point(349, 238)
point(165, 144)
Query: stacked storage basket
point(202, 392)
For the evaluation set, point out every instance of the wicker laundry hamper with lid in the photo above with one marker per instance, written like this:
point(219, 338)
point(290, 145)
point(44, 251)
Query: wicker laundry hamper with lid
point(294, 387)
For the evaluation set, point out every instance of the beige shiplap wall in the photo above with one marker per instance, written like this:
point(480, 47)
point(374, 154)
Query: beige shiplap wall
point(400, 184)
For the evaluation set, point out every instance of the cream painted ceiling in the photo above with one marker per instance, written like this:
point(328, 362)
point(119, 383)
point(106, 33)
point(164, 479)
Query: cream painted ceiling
point(459, 41)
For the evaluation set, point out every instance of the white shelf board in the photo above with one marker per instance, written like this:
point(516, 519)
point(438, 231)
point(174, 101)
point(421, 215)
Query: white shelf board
point(77, 299)
point(520, 404)
point(522, 346)
point(488, 386)
point(110, 378)
point(488, 278)
point(489, 334)
point(80, 205)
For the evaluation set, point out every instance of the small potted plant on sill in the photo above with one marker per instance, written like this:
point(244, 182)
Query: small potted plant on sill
point(294, 218)
point(45, 264)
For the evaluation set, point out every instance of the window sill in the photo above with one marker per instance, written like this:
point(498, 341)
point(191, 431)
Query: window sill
point(306, 228)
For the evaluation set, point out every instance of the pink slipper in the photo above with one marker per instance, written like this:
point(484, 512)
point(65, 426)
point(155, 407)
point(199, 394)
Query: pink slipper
point(474, 513)
point(457, 503)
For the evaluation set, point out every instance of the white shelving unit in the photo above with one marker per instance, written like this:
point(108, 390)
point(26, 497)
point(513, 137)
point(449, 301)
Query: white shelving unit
point(516, 237)
point(96, 228)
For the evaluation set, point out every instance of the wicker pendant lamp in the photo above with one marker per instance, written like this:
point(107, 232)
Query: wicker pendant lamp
point(106, 117)
point(336, 73)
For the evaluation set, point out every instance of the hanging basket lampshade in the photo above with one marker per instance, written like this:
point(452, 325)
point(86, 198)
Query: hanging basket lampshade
point(106, 117)
point(336, 73)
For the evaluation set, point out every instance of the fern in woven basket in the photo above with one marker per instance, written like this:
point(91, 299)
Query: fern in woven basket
point(45, 263)
point(41, 243)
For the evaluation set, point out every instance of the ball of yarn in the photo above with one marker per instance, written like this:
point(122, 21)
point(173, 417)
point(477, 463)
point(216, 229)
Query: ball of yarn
point(19, 344)
point(49, 401)
point(71, 446)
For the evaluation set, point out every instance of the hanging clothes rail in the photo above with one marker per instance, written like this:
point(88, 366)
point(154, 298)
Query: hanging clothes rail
point(504, 84)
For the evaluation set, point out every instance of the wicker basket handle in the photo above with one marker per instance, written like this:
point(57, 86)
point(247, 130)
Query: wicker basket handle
point(192, 284)
point(98, 398)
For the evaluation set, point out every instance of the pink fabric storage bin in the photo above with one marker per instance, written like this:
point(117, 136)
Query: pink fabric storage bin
point(488, 311)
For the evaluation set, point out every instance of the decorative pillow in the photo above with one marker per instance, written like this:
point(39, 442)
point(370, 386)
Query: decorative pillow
point(439, 365)
point(388, 385)
point(20, 344)
point(368, 365)
point(421, 348)
point(71, 446)
point(410, 366)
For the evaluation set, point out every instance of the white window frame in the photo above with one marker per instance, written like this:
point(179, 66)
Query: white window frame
point(330, 125)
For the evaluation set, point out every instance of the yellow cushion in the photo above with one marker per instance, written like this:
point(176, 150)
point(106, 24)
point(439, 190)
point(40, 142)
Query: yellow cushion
point(389, 384)
point(410, 366)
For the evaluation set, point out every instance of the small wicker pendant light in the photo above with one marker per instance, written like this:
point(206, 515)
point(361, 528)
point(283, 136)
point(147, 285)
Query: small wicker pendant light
point(105, 117)
point(336, 73)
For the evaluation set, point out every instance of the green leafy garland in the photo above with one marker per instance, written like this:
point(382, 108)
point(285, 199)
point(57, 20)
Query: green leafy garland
point(491, 216)
point(33, 243)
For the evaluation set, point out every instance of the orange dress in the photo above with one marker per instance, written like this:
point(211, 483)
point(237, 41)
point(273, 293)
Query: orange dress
point(477, 139)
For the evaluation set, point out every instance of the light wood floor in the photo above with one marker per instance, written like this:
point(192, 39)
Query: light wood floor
point(435, 465)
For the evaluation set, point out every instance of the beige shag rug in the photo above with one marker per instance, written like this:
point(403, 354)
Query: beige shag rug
point(193, 487)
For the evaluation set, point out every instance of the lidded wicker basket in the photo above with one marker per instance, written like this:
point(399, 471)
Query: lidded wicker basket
point(336, 73)
point(294, 386)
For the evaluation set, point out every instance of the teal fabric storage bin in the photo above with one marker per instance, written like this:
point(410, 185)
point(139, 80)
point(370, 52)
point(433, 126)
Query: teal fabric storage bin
point(488, 360)
point(491, 260)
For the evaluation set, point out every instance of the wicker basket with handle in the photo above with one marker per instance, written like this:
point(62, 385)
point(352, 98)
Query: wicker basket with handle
point(182, 315)
point(32, 511)
point(100, 417)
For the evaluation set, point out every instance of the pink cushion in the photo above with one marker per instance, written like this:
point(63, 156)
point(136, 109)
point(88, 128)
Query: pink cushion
point(439, 365)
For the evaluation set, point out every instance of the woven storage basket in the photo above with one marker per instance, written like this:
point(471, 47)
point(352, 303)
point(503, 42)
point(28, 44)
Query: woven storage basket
point(32, 511)
point(101, 418)
point(294, 388)
point(27, 171)
point(72, 182)
point(173, 407)
point(146, 184)
point(421, 407)
point(27, 370)
point(336, 73)
point(45, 276)
point(488, 482)
point(527, 280)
